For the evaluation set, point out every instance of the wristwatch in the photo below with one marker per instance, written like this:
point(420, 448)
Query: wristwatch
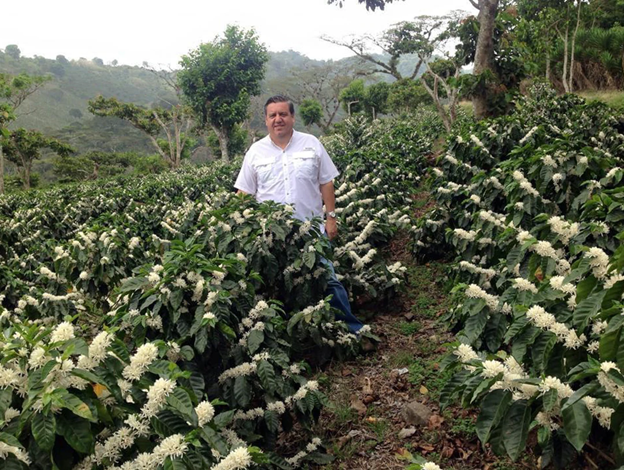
point(331, 214)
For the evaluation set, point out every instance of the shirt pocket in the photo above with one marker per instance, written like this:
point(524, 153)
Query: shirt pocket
point(306, 165)
point(264, 169)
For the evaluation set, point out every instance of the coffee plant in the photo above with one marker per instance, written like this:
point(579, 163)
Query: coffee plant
point(531, 209)
point(167, 322)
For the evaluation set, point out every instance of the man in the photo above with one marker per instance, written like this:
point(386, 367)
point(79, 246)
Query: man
point(292, 167)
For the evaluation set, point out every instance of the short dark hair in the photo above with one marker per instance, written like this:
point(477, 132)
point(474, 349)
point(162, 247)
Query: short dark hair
point(280, 99)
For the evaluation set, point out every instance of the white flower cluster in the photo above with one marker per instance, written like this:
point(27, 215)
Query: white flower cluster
point(528, 135)
point(599, 262)
point(311, 447)
point(524, 285)
point(6, 449)
point(156, 396)
point(465, 353)
point(238, 459)
point(542, 319)
point(615, 390)
point(563, 228)
point(476, 292)
point(525, 184)
point(311, 385)
point(465, 235)
point(487, 273)
point(494, 218)
point(140, 361)
point(601, 413)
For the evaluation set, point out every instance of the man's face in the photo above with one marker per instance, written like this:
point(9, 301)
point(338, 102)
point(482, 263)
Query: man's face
point(279, 121)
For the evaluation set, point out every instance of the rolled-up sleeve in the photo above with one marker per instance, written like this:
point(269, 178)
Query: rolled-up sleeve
point(327, 169)
point(246, 180)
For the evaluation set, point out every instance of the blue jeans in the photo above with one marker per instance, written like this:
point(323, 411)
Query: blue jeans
point(340, 300)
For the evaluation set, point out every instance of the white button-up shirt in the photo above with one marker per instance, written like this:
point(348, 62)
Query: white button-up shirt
point(289, 176)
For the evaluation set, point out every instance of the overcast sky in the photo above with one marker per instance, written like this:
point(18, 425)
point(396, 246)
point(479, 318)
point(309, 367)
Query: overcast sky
point(159, 32)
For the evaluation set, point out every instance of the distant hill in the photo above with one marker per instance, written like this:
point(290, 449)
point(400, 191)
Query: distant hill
point(60, 107)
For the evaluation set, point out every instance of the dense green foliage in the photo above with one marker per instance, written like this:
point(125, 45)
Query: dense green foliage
point(167, 320)
point(530, 206)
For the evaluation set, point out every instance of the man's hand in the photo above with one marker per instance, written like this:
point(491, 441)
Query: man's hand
point(331, 227)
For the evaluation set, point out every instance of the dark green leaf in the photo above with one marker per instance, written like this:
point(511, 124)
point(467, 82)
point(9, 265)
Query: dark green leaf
point(516, 428)
point(577, 422)
point(43, 428)
point(493, 408)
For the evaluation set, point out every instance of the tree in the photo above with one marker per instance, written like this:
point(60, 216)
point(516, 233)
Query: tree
point(406, 95)
point(218, 79)
point(441, 80)
point(23, 147)
point(376, 99)
point(407, 37)
point(484, 54)
point(173, 123)
point(98, 61)
point(75, 113)
point(353, 96)
point(61, 59)
point(13, 92)
point(92, 165)
point(311, 112)
point(370, 4)
point(13, 51)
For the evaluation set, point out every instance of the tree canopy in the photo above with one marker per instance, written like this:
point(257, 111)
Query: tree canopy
point(218, 79)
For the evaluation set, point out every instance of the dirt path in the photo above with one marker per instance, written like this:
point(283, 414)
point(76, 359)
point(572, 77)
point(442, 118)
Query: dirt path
point(365, 426)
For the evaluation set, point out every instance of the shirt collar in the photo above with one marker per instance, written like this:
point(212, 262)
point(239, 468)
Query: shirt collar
point(287, 145)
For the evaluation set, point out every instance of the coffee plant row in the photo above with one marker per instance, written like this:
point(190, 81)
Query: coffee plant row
point(532, 208)
point(167, 322)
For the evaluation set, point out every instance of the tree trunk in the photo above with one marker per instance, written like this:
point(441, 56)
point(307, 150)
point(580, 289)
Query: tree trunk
point(484, 55)
point(222, 135)
point(1, 171)
point(573, 46)
point(26, 176)
point(548, 65)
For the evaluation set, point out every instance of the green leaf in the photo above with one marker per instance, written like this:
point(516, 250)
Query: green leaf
point(254, 340)
point(550, 399)
point(76, 431)
point(43, 428)
point(174, 464)
point(493, 408)
point(584, 288)
point(475, 325)
point(267, 376)
point(6, 396)
point(242, 391)
point(495, 331)
point(577, 422)
point(515, 256)
point(167, 423)
point(587, 309)
point(272, 421)
point(76, 405)
point(181, 401)
point(309, 258)
point(224, 419)
point(585, 390)
point(516, 428)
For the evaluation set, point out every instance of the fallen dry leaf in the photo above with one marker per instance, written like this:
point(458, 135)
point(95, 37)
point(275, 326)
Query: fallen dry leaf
point(357, 405)
point(424, 390)
point(435, 421)
point(367, 389)
point(447, 452)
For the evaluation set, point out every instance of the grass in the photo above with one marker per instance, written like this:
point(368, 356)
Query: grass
point(613, 98)
point(409, 328)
